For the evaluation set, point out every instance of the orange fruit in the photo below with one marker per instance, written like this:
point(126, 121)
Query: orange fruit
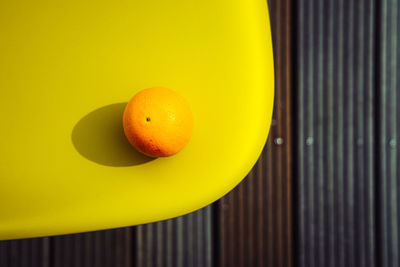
point(158, 122)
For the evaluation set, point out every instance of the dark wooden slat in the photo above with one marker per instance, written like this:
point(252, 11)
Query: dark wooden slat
point(389, 132)
point(255, 219)
point(45, 253)
point(102, 248)
point(14, 258)
point(4, 254)
point(24, 253)
point(335, 115)
point(185, 241)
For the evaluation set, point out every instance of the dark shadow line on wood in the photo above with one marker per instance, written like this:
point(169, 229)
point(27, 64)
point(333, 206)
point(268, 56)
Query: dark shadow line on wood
point(295, 181)
point(215, 230)
point(134, 246)
point(376, 127)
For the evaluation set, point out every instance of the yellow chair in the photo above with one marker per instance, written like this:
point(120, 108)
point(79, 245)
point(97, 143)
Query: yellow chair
point(67, 69)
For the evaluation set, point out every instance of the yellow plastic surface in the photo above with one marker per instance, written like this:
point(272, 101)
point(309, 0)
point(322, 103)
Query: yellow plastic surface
point(67, 69)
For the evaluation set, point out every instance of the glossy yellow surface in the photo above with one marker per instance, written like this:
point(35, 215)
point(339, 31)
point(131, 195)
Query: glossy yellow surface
point(67, 68)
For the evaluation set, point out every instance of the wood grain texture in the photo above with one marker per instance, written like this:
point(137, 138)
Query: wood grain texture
point(388, 120)
point(186, 241)
point(97, 249)
point(255, 219)
point(335, 132)
point(25, 253)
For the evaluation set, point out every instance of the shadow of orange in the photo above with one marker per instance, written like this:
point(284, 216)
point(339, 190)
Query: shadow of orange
point(99, 136)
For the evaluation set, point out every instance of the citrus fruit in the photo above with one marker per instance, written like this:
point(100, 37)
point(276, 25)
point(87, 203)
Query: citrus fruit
point(158, 122)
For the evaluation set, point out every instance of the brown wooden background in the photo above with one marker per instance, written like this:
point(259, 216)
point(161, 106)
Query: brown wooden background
point(326, 189)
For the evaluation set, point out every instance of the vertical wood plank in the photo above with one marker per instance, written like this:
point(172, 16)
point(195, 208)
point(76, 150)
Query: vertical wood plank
point(255, 219)
point(24, 253)
point(335, 122)
point(389, 129)
point(97, 249)
point(185, 241)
